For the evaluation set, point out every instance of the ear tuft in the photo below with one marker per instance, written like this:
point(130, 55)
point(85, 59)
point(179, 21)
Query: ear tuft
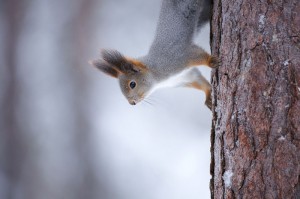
point(114, 57)
point(105, 67)
point(121, 63)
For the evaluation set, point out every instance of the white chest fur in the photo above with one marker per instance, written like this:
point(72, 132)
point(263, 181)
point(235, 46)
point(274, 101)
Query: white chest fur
point(184, 78)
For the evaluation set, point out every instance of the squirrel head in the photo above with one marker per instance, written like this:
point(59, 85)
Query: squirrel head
point(134, 77)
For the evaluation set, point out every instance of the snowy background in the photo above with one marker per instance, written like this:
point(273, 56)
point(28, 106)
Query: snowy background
point(67, 131)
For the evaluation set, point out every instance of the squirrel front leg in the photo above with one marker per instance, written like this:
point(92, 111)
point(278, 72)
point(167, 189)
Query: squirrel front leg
point(196, 80)
point(197, 56)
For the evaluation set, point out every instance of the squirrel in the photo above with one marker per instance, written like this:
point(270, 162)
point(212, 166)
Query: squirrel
point(172, 57)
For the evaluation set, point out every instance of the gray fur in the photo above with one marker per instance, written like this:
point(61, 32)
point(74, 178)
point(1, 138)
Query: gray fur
point(176, 27)
point(205, 14)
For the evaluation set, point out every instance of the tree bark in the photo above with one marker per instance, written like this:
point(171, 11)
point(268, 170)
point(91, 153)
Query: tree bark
point(256, 107)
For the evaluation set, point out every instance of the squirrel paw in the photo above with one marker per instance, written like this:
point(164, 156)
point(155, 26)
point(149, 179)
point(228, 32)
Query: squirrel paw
point(214, 62)
point(208, 102)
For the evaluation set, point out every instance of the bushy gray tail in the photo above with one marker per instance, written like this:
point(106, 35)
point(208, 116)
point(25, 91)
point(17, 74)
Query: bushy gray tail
point(205, 14)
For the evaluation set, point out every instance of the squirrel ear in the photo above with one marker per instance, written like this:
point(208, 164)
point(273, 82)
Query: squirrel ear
point(121, 63)
point(105, 68)
point(135, 65)
point(114, 58)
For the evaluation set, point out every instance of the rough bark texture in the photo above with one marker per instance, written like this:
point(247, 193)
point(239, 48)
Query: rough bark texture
point(256, 106)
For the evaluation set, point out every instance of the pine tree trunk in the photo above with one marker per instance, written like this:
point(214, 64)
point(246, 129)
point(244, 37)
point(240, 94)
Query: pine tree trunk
point(256, 99)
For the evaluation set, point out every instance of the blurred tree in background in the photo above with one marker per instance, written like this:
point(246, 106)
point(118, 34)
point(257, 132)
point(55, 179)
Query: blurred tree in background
point(45, 144)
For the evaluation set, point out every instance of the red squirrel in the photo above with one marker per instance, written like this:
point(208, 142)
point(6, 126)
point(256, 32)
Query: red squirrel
point(172, 57)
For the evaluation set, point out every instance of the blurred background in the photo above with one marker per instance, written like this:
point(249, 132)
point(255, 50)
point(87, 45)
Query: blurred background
point(66, 131)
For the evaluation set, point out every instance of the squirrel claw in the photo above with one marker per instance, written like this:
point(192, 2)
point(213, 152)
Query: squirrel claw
point(208, 102)
point(215, 62)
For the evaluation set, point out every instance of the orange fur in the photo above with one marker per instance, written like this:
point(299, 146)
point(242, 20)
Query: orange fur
point(137, 63)
point(201, 60)
point(198, 86)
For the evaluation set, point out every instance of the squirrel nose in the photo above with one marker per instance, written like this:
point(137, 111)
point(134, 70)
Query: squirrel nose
point(132, 102)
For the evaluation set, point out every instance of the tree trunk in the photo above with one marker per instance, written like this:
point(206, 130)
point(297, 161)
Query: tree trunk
point(256, 107)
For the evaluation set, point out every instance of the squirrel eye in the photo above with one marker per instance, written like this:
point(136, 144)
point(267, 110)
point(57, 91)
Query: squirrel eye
point(132, 85)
